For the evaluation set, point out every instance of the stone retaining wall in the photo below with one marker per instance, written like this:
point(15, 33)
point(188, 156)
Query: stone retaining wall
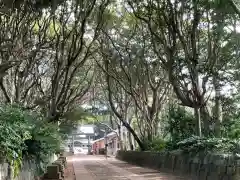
point(55, 170)
point(27, 171)
point(198, 167)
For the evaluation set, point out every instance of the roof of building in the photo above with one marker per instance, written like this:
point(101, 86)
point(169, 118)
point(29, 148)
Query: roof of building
point(88, 129)
point(85, 129)
point(111, 134)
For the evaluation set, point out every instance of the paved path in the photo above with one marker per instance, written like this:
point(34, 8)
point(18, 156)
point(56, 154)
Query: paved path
point(98, 168)
point(69, 171)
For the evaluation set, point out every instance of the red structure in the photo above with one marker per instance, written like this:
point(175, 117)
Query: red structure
point(98, 146)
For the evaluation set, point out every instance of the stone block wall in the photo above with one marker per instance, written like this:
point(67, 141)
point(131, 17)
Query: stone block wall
point(199, 166)
point(55, 171)
point(27, 171)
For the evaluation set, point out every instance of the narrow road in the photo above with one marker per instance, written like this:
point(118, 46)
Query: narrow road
point(98, 168)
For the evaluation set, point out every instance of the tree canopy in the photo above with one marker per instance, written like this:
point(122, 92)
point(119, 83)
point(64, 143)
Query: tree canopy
point(157, 69)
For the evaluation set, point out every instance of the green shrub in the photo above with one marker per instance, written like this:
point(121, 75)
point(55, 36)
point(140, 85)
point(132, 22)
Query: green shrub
point(14, 131)
point(180, 124)
point(231, 127)
point(45, 140)
point(196, 144)
point(27, 135)
point(157, 144)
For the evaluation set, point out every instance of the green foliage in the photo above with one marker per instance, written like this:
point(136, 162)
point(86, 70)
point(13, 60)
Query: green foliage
point(45, 140)
point(26, 135)
point(157, 144)
point(66, 127)
point(13, 130)
point(78, 115)
point(71, 119)
point(231, 117)
point(231, 127)
point(181, 124)
point(196, 144)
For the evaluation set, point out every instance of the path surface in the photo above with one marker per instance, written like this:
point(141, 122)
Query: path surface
point(69, 171)
point(98, 168)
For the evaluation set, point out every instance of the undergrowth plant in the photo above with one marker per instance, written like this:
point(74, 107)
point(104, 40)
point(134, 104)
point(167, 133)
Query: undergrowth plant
point(26, 135)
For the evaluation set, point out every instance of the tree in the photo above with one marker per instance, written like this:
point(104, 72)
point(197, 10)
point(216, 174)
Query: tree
point(133, 66)
point(52, 68)
point(120, 103)
point(186, 37)
point(72, 49)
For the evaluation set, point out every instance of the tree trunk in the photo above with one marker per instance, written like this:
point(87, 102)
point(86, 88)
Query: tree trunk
point(198, 122)
point(111, 121)
point(130, 141)
point(120, 137)
point(129, 128)
point(150, 134)
point(134, 143)
point(217, 108)
point(206, 119)
point(124, 140)
point(10, 171)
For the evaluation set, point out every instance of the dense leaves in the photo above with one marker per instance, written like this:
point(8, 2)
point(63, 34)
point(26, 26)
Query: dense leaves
point(213, 145)
point(156, 144)
point(180, 123)
point(26, 135)
point(136, 58)
point(14, 131)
